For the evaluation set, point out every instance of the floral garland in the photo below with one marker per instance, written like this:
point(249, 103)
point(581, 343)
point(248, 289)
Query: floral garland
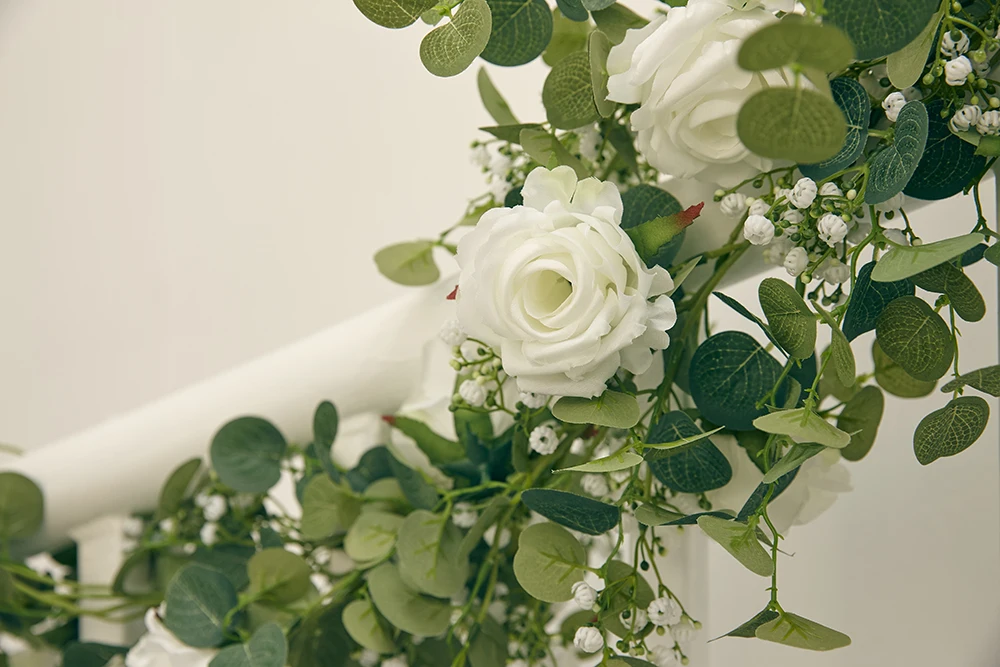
point(594, 419)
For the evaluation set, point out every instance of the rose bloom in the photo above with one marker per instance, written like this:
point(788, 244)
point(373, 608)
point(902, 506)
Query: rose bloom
point(160, 648)
point(682, 70)
point(557, 286)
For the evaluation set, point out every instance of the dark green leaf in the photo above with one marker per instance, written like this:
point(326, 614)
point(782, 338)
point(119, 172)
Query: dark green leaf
point(325, 424)
point(916, 338)
point(742, 310)
point(489, 647)
point(438, 448)
point(22, 507)
point(510, 133)
point(962, 294)
point(856, 106)
point(373, 466)
point(741, 542)
point(891, 377)
point(729, 373)
point(992, 254)
point(198, 600)
point(420, 492)
point(950, 430)
point(611, 408)
point(404, 607)
point(861, 417)
point(178, 487)
point(892, 167)
point(580, 513)
point(973, 255)
point(986, 380)
point(572, 9)
point(651, 515)
point(880, 27)
point(790, 320)
point(89, 654)
point(796, 124)
point(494, 102)
point(549, 560)
point(246, 454)
point(643, 203)
point(319, 640)
point(278, 575)
point(393, 13)
point(948, 164)
point(450, 48)
point(793, 40)
point(521, 30)
point(753, 503)
point(228, 559)
point(548, 151)
point(748, 629)
point(266, 648)
point(907, 261)
point(692, 468)
point(568, 93)
point(869, 299)
point(616, 20)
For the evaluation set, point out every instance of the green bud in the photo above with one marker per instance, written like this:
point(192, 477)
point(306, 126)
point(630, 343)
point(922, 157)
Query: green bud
point(852, 194)
point(974, 100)
point(697, 625)
point(995, 102)
point(456, 364)
point(884, 82)
point(917, 241)
point(978, 56)
point(928, 79)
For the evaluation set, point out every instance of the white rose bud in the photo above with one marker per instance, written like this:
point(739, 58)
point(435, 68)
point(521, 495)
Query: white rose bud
point(893, 104)
point(831, 189)
point(793, 217)
point(595, 485)
point(473, 393)
point(989, 123)
point(533, 401)
point(834, 271)
point(796, 261)
point(543, 440)
point(734, 204)
point(965, 118)
point(759, 207)
point(664, 611)
point(758, 230)
point(804, 193)
point(452, 333)
point(957, 71)
point(584, 595)
point(952, 47)
point(832, 229)
point(464, 515)
point(588, 639)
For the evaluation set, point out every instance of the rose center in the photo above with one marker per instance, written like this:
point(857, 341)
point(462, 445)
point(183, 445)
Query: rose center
point(545, 292)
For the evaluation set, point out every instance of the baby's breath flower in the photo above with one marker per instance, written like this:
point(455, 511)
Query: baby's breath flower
point(464, 515)
point(595, 485)
point(543, 440)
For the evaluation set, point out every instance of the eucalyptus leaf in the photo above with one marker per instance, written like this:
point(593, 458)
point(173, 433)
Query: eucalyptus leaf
point(437, 448)
point(611, 408)
point(740, 541)
point(318, 640)
point(326, 421)
point(266, 648)
point(597, 5)
point(681, 274)
point(549, 560)
point(992, 254)
point(178, 487)
point(893, 166)
point(577, 512)
point(880, 27)
point(906, 65)
point(745, 312)
point(916, 338)
point(840, 351)
point(729, 373)
point(22, 506)
point(781, 481)
point(246, 454)
point(748, 629)
point(651, 515)
point(404, 607)
point(627, 589)
point(623, 460)
point(327, 508)
point(363, 625)
point(198, 600)
point(279, 575)
point(963, 296)
point(615, 20)
point(545, 149)
point(430, 555)
point(986, 380)
point(645, 202)
point(861, 417)
point(569, 35)
point(487, 517)
point(674, 444)
point(894, 379)
point(568, 93)
point(950, 430)
point(521, 29)
point(573, 10)
point(598, 47)
point(416, 489)
point(948, 165)
point(853, 101)
point(869, 299)
point(803, 426)
point(907, 261)
point(796, 124)
point(510, 134)
point(489, 646)
point(494, 102)
point(790, 320)
point(792, 630)
point(393, 13)
point(450, 48)
point(372, 536)
point(85, 654)
point(693, 468)
point(410, 263)
point(793, 458)
point(793, 40)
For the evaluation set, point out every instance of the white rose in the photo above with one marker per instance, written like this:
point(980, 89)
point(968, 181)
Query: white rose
point(160, 648)
point(681, 68)
point(957, 71)
point(758, 230)
point(557, 286)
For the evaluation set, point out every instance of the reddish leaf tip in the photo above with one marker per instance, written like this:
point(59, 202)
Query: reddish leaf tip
point(454, 293)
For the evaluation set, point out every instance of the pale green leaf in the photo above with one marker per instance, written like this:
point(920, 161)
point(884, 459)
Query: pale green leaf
point(22, 506)
point(623, 460)
point(278, 575)
point(793, 40)
point(372, 536)
point(906, 65)
point(916, 338)
point(393, 13)
point(327, 508)
point(992, 254)
point(363, 624)
point(950, 430)
point(790, 320)
point(803, 426)
point(568, 93)
point(792, 630)
point(793, 458)
point(404, 607)
point(548, 562)
point(651, 515)
point(266, 648)
point(410, 263)
point(681, 442)
point(494, 102)
point(599, 46)
point(740, 541)
point(841, 355)
point(198, 599)
point(450, 48)
point(611, 408)
point(907, 261)
point(568, 36)
point(430, 555)
point(616, 20)
point(178, 487)
point(893, 166)
point(682, 273)
point(548, 151)
point(794, 124)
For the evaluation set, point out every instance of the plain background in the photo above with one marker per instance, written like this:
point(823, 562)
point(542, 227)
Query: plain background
point(185, 186)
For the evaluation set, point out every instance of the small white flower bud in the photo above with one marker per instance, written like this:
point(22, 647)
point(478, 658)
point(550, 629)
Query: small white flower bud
point(396, 661)
point(168, 526)
point(796, 261)
point(832, 229)
point(637, 620)
point(578, 447)
point(543, 440)
point(452, 333)
point(734, 205)
point(473, 393)
point(584, 595)
point(481, 157)
point(758, 230)
point(491, 535)
point(833, 271)
point(595, 485)
point(965, 118)
point(831, 189)
point(804, 193)
point(893, 104)
point(683, 632)
point(464, 515)
point(775, 253)
point(793, 217)
point(852, 194)
point(957, 71)
point(952, 47)
point(759, 207)
point(209, 533)
point(215, 508)
point(533, 401)
point(782, 194)
point(664, 611)
point(989, 123)
point(664, 656)
point(588, 639)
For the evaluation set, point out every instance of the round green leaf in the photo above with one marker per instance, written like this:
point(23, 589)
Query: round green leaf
point(615, 20)
point(948, 163)
point(178, 487)
point(318, 640)
point(429, 549)
point(548, 562)
point(803, 425)
point(266, 648)
point(740, 540)
point(372, 536)
point(792, 630)
point(393, 13)
point(880, 27)
point(869, 299)
point(411, 263)
point(198, 599)
point(950, 430)
point(916, 338)
point(861, 417)
point(611, 408)
point(450, 48)
point(404, 607)
point(576, 512)
point(962, 293)
point(599, 47)
point(364, 626)
point(643, 203)
point(793, 40)
point(894, 165)
point(792, 124)
point(489, 647)
point(986, 380)
point(992, 254)
point(791, 322)
point(693, 468)
point(521, 31)
point(729, 373)
point(327, 508)
point(568, 35)
point(891, 377)
point(907, 261)
point(573, 10)
point(568, 93)
point(278, 575)
point(22, 507)
point(630, 590)
point(246, 454)
point(856, 106)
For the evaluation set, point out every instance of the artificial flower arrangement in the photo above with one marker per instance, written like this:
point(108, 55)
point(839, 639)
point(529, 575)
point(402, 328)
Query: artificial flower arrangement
point(593, 416)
